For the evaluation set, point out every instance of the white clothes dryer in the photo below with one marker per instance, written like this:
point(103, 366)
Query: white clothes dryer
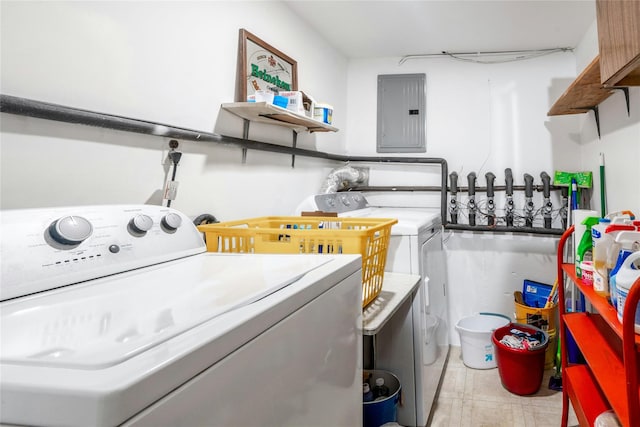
point(415, 247)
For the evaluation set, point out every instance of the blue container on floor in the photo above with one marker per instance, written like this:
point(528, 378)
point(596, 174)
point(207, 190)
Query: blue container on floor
point(382, 411)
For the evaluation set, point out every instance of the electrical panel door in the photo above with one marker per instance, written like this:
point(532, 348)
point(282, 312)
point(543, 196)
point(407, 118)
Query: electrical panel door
point(402, 113)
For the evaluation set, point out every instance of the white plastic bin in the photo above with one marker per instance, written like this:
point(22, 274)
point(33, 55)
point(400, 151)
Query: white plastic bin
point(475, 339)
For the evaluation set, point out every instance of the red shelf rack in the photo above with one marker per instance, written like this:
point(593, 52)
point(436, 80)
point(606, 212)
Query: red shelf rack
point(609, 379)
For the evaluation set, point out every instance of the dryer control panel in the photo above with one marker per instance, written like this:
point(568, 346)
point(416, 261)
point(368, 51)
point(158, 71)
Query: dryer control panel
point(341, 202)
point(46, 248)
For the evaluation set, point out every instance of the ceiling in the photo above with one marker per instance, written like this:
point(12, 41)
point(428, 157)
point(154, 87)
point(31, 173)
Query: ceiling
point(362, 29)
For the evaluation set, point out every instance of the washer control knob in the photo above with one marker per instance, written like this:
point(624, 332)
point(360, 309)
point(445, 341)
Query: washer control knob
point(172, 221)
point(70, 230)
point(141, 223)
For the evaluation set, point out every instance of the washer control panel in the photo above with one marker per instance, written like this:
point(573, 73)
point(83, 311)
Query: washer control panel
point(341, 202)
point(43, 249)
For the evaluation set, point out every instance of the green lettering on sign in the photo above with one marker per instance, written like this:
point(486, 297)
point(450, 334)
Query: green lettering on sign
point(263, 75)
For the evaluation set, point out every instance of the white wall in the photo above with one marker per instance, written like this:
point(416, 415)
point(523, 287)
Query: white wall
point(168, 62)
point(174, 62)
point(619, 141)
point(480, 118)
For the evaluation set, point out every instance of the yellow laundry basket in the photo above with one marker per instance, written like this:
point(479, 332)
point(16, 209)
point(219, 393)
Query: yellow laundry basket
point(368, 237)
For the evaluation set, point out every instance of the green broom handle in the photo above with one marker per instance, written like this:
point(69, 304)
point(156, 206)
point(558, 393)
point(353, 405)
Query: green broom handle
point(603, 200)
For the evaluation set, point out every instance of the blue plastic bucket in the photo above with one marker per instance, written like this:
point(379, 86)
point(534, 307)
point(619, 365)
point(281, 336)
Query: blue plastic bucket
point(382, 411)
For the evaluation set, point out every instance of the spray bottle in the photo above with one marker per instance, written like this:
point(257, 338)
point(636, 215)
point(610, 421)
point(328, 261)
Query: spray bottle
point(584, 254)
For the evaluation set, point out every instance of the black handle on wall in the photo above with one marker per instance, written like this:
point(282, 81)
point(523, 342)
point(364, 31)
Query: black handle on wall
point(453, 179)
point(490, 177)
point(528, 185)
point(508, 177)
point(471, 180)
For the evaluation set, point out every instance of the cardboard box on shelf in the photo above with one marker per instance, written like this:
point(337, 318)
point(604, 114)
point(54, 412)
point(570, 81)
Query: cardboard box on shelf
point(299, 102)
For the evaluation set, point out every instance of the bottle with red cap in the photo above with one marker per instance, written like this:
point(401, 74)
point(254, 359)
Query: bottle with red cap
point(605, 251)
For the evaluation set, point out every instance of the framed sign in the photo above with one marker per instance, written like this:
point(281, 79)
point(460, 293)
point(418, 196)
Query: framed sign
point(262, 67)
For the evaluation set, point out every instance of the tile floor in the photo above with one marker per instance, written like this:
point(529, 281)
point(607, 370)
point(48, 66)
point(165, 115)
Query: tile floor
point(476, 398)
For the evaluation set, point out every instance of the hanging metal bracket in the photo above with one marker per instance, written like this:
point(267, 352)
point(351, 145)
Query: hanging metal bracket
point(245, 136)
point(597, 116)
point(625, 90)
point(596, 113)
point(295, 142)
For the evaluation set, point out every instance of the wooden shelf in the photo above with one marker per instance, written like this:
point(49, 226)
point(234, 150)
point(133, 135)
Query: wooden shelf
point(586, 398)
point(264, 112)
point(600, 304)
point(585, 93)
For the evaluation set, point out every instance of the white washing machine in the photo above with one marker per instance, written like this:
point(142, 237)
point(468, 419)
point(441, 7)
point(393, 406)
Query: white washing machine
point(116, 315)
point(415, 248)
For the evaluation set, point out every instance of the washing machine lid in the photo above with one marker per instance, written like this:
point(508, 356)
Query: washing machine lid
point(411, 221)
point(71, 389)
point(107, 321)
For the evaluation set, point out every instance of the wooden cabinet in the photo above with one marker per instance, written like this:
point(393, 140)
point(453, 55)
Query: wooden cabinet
point(609, 378)
point(618, 62)
point(585, 92)
point(619, 41)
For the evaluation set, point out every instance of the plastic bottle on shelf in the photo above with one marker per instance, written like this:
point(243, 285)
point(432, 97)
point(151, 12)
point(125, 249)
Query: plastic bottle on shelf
point(626, 276)
point(367, 394)
point(600, 267)
point(598, 231)
point(601, 242)
point(380, 391)
point(626, 242)
point(606, 251)
point(621, 217)
point(584, 252)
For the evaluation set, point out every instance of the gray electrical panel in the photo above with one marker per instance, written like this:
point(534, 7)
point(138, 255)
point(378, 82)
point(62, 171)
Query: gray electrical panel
point(402, 120)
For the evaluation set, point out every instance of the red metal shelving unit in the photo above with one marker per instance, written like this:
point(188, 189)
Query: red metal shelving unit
point(609, 379)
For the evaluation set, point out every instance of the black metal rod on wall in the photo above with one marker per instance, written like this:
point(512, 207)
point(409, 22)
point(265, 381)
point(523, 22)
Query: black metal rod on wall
point(48, 111)
point(506, 229)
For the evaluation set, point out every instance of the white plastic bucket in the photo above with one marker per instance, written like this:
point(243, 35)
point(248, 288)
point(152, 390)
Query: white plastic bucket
point(475, 339)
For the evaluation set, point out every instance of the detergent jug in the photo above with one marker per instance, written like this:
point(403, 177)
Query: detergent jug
point(601, 243)
point(627, 274)
point(626, 242)
point(605, 254)
point(621, 217)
